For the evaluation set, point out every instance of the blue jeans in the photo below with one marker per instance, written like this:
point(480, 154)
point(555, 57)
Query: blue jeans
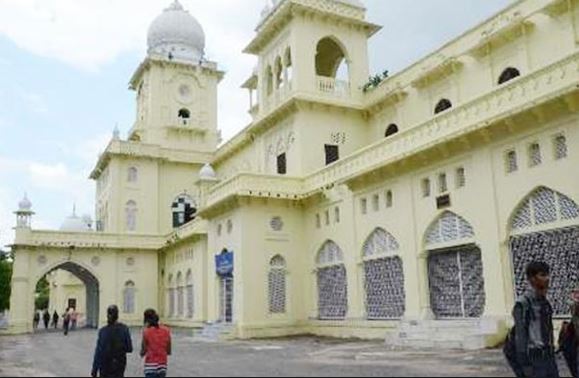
point(544, 368)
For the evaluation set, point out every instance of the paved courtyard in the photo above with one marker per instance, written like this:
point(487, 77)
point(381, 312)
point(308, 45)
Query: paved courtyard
point(51, 354)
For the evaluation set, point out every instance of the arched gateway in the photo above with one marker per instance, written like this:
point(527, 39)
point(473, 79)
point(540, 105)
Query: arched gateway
point(91, 284)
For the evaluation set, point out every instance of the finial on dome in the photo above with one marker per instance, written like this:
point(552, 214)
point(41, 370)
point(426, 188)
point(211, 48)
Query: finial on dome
point(175, 6)
point(116, 132)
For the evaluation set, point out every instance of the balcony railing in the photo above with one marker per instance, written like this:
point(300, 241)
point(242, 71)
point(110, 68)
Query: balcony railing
point(333, 87)
point(545, 84)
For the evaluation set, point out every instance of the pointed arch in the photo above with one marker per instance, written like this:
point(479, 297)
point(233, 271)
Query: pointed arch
point(383, 277)
point(380, 243)
point(330, 254)
point(332, 283)
point(448, 227)
point(129, 292)
point(180, 295)
point(277, 285)
point(543, 208)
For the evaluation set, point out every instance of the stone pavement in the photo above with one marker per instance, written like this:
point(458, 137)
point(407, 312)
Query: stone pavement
point(52, 354)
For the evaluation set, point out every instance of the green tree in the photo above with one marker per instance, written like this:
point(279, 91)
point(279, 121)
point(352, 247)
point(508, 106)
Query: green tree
point(42, 294)
point(5, 280)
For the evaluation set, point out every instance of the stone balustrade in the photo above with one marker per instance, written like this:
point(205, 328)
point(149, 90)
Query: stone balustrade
point(333, 87)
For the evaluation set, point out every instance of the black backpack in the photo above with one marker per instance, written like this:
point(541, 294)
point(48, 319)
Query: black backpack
point(510, 347)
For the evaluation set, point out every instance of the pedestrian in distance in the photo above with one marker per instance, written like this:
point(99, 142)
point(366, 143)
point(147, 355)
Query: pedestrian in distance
point(73, 319)
point(530, 346)
point(66, 322)
point(156, 346)
point(113, 345)
point(46, 318)
point(55, 319)
point(36, 320)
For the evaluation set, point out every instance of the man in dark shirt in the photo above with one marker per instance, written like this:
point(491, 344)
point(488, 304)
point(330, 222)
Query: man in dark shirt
point(534, 325)
point(113, 345)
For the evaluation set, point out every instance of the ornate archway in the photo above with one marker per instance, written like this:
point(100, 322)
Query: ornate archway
point(91, 284)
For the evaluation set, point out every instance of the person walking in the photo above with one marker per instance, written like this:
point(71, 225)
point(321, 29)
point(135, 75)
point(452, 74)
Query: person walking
point(46, 318)
point(73, 319)
point(66, 322)
point(55, 319)
point(113, 345)
point(36, 320)
point(533, 332)
point(156, 346)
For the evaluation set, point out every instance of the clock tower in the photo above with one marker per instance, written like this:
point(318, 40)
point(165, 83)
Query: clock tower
point(176, 86)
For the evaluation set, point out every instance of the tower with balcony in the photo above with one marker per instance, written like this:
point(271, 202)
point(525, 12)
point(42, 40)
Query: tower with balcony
point(316, 53)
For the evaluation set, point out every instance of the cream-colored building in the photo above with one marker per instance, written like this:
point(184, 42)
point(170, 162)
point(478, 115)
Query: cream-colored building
point(405, 208)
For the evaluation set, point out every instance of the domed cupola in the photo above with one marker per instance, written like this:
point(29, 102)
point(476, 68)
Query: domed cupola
point(74, 223)
point(176, 35)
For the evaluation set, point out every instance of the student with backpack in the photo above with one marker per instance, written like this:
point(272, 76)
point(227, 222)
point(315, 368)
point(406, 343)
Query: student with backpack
point(113, 345)
point(530, 347)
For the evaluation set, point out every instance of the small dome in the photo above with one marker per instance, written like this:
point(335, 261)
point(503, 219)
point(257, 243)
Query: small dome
point(25, 204)
point(175, 34)
point(207, 173)
point(74, 223)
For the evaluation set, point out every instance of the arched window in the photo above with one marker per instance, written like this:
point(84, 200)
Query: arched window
point(383, 277)
point(269, 80)
point(184, 210)
point(132, 175)
point(508, 75)
point(332, 283)
point(180, 295)
point(331, 59)
point(391, 130)
point(129, 298)
point(449, 228)
point(545, 227)
point(455, 269)
point(171, 297)
point(442, 105)
point(288, 66)
point(184, 114)
point(190, 296)
point(279, 74)
point(131, 216)
point(542, 208)
point(389, 199)
point(277, 285)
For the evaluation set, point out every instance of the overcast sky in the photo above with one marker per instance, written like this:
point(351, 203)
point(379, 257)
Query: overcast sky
point(65, 65)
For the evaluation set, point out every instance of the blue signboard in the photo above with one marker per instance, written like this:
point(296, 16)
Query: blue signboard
point(224, 263)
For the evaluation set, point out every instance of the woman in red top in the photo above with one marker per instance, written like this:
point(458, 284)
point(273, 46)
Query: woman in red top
point(156, 346)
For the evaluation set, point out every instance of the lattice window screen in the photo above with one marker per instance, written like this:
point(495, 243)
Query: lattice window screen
point(560, 249)
point(384, 284)
point(332, 293)
point(129, 299)
point(456, 283)
point(180, 301)
point(543, 207)
point(330, 254)
point(561, 150)
point(380, 243)
point(512, 163)
point(447, 228)
point(277, 285)
point(535, 155)
point(190, 301)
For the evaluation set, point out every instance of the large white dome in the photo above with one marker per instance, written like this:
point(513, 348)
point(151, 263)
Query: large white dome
point(175, 34)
